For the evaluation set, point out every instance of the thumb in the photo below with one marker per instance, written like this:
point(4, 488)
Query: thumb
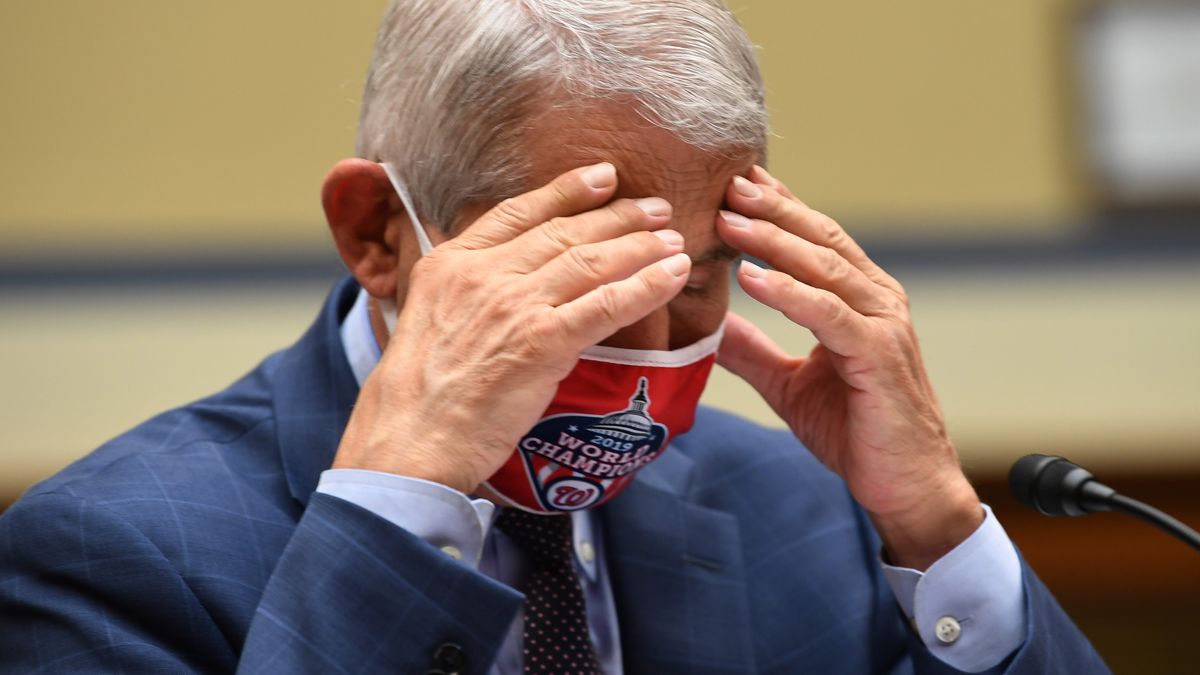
point(749, 353)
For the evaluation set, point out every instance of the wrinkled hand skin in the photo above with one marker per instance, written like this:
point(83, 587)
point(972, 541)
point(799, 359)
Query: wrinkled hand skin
point(494, 318)
point(861, 400)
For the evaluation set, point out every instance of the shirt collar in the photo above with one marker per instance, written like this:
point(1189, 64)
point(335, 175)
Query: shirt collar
point(363, 352)
point(358, 339)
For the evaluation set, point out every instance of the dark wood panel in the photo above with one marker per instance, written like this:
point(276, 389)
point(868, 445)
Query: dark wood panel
point(1129, 586)
point(1127, 557)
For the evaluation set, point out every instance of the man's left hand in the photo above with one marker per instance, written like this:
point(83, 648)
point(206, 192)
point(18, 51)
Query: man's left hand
point(861, 401)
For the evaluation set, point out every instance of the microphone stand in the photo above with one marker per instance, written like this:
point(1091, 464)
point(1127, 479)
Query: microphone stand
point(1054, 486)
point(1162, 521)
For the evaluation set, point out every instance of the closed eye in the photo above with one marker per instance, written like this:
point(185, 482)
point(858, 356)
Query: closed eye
point(703, 274)
point(718, 254)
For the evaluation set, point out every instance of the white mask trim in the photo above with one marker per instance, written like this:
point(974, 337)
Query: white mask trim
point(510, 504)
point(406, 199)
point(387, 308)
point(676, 358)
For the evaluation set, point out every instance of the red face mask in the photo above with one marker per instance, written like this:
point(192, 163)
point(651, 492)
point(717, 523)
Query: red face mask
point(612, 415)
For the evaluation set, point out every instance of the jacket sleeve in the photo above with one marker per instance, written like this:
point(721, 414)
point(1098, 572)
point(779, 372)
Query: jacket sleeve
point(84, 590)
point(1053, 644)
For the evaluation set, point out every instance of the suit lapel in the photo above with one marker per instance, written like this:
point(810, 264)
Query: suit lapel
point(678, 577)
point(313, 393)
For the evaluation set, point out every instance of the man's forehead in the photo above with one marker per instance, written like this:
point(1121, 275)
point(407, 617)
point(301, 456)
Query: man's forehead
point(650, 162)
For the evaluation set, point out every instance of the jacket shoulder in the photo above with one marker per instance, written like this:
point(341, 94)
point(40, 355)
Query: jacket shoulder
point(206, 452)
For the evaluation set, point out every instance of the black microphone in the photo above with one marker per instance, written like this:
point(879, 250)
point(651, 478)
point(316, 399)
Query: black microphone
point(1055, 487)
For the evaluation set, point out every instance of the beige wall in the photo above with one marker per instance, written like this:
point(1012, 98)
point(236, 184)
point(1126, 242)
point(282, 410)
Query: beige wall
point(169, 122)
point(152, 123)
point(922, 112)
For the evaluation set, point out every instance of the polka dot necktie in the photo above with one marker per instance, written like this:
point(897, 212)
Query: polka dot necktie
point(556, 638)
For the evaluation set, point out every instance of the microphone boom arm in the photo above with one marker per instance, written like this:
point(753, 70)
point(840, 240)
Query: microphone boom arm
point(1156, 518)
point(1054, 486)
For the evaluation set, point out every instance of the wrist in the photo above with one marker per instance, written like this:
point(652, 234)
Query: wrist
point(389, 446)
point(918, 537)
point(408, 469)
point(374, 447)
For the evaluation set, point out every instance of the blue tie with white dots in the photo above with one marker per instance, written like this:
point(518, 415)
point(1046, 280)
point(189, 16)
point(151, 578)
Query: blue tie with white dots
point(556, 638)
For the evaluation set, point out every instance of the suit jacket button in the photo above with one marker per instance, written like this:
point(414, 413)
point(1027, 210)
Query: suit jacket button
point(449, 659)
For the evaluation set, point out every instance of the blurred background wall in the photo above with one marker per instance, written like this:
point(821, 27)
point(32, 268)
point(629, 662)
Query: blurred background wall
point(1028, 169)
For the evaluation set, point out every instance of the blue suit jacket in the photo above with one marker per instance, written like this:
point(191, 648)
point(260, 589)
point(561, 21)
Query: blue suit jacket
point(195, 542)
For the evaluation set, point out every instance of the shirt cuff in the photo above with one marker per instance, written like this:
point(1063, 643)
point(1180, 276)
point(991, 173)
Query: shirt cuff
point(441, 515)
point(969, 606)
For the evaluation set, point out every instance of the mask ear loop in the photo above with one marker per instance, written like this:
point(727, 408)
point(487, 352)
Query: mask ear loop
point(418, 229)
point(387, 307)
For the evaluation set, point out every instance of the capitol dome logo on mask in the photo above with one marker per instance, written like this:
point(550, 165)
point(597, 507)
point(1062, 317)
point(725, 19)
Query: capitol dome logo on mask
point(573, 459)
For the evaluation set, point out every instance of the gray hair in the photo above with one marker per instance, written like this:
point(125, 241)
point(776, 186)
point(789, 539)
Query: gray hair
point(455, 85)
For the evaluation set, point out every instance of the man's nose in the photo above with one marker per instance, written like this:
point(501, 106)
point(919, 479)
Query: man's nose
point(651, 332)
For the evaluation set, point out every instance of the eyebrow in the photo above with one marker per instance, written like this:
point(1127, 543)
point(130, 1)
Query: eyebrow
point(717, 253)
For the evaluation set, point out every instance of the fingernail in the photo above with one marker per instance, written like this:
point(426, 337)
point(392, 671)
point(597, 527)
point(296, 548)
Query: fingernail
point(751, 270)
point(745, 188)
point(758, 168)
point(653, 206)
point(670, 236)
point(600, 175)
point(735, 219)
point(677, 265)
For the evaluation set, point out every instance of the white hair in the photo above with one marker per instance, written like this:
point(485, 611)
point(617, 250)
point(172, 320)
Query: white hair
point(455, 85)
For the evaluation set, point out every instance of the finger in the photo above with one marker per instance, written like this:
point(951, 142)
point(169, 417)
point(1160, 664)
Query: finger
point(580, 269)
point(762, 201)
point(749, 353)
point(814, 265)
point(573, 192)
point(532, 249)
point(598, 314)
point(759, 175)
point(842, 330)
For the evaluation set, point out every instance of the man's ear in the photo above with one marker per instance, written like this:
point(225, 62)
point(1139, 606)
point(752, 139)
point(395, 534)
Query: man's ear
point(360, 210)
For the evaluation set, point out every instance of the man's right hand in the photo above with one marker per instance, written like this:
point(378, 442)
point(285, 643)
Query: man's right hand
point(495, 318)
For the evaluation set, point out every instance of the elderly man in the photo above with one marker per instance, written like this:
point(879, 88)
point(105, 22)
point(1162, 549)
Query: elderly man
point(474, 461)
